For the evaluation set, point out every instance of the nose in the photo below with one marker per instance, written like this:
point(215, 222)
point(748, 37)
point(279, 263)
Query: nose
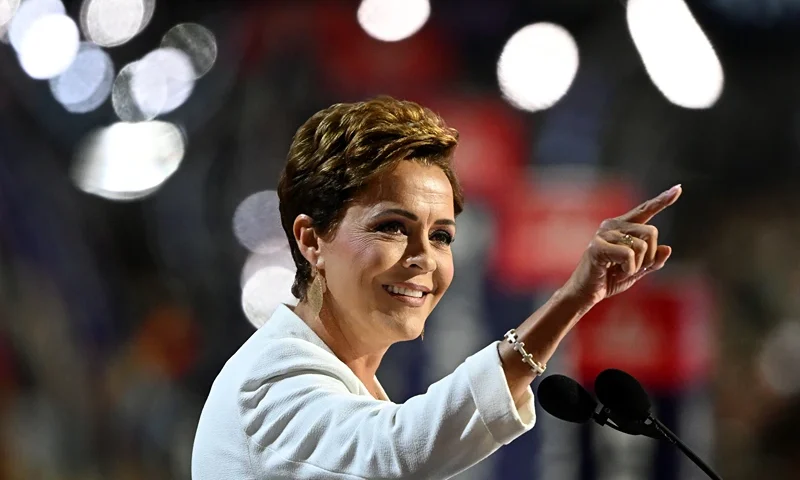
point(420, 259)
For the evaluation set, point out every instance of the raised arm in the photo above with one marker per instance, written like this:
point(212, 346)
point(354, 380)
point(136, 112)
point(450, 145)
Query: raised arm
point(623, 250)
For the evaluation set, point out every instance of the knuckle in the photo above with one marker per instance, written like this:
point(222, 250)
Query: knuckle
point(608, 224)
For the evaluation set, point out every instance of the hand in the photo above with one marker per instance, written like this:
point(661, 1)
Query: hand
point(623, 250)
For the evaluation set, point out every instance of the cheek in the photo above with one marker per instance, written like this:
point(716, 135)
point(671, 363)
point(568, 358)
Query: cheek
point(369, 256)
point(446, 271)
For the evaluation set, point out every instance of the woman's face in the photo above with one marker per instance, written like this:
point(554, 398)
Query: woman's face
point(389, 262)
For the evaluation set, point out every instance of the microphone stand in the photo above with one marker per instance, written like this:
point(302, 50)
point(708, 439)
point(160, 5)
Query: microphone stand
point(605, 417)
point(667, 433)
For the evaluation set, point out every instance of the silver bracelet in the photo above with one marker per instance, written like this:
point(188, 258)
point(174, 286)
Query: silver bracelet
point(513, 339)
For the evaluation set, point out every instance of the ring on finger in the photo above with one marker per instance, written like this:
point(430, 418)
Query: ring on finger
point(627, 240)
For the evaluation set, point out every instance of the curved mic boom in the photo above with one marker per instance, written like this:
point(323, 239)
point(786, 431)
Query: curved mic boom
point(623, 395)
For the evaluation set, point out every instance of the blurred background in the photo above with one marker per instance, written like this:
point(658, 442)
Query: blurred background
point(141, 143)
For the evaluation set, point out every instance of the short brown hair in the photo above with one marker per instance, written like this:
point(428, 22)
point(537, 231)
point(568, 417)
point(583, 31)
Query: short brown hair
point(336, 153)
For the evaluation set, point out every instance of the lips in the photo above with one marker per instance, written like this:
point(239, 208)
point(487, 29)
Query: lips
point(409, 296)
point(408, 292)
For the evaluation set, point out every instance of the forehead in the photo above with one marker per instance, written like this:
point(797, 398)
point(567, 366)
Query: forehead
point(412, 185)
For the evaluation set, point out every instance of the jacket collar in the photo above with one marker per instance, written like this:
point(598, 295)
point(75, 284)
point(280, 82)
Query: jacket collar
point(284, 323)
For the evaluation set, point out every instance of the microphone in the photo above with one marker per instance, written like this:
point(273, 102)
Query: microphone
point(565, 399)
point(625, 396)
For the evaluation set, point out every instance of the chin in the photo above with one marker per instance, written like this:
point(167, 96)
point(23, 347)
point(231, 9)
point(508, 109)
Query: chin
point(406, 329)
point(415, 330)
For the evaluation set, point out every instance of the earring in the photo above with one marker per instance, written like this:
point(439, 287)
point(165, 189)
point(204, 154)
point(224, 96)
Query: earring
point(422, 335)
point(316, 292)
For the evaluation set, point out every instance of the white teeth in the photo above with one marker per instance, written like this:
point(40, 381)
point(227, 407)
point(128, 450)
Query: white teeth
point(404, 291)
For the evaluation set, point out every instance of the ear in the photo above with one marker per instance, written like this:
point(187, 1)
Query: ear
point(307, 240)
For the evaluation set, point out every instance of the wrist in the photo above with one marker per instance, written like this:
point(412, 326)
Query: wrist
point(569, 299)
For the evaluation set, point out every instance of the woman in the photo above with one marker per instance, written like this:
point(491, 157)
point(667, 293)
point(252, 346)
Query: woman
point(368, 200)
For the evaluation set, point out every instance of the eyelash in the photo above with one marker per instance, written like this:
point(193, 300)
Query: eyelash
point(445, 237)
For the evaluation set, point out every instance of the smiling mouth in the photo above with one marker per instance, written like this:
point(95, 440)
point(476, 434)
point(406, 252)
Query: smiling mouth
point(406, 292)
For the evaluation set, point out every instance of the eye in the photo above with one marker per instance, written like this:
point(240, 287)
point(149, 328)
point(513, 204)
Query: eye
point(442, 237)
point(393, 227)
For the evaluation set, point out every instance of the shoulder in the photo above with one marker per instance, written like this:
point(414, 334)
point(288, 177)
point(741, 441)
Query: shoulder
point(288, 379)
point(284, 357)
point(284, 347)
point(267, 368)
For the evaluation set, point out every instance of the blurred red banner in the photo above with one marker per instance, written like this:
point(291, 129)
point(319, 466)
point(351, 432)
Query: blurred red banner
point(492, 143)
point(354, 63)
point(661, 332)
point(541, 231)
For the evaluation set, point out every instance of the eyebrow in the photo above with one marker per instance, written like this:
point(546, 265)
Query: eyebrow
point(411, 216)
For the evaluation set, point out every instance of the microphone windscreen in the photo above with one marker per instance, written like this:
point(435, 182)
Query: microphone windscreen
point(622, 394)
point(565, 399)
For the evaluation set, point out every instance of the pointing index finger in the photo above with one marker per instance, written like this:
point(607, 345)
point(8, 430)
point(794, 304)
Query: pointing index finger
point(649, 209)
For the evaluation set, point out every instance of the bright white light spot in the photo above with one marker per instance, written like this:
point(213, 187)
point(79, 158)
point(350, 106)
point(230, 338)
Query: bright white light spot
point(257, 262)
point(264, 291)
point(779, 357)
point(162, 81)
point(257, 223)
point(7, 10)
point(393, 20)
point(676, 53)
point(157, 84)
point(27, 14)
point(110, 23)
point(128, 160)
point(197, 42)
point(87, 82)
point(123, 101)
point(49, 47)
point(537, 66)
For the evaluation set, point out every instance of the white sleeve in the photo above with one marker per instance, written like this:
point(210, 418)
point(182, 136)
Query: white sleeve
point(309, 419)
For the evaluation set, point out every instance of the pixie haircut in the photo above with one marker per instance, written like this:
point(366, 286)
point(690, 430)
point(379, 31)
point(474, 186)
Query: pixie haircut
point(337, 153)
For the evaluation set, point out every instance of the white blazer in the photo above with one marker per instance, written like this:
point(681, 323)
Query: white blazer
point(285, 407)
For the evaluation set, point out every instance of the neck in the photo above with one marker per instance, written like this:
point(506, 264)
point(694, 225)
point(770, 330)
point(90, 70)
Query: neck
point(362, 358)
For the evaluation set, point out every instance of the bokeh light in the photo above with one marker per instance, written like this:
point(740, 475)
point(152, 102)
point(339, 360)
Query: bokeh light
point(537, 66)
point(165, 69)
point(123, 101)
point(87, 82)
point(197, 42)
point(264, 291)
point(128, 161)
point(49, 46)
point(110, 23)
point(258, 261)
point(257, 223)
point(7, 10)
point(155, 85)
point(27, 14)
point(677, 55)
point(45, 39)
point(393, 20)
